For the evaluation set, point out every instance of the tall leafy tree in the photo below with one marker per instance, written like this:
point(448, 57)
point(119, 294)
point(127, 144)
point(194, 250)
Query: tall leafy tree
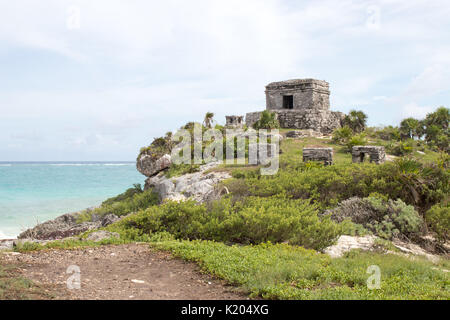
point(439, 118)
point(436, 128)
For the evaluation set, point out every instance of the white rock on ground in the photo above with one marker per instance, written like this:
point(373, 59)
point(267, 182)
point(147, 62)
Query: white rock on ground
point(100, 235)
point(347, 243)
point(198, 186)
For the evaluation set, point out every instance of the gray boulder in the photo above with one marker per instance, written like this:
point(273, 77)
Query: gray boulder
point(62, 227)
point(198, 186)
point(109, 219)
point(150, 164)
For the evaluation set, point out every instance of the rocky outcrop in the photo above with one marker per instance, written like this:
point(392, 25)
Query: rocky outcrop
point(150, 164)
point(199, 186)
point(66, 226)
point(347, 243)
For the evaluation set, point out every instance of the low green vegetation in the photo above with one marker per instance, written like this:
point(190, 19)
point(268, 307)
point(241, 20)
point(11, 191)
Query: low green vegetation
point(176, 170)
point(387, 219)
point(281, 271)
point(132, 200)
point(411, 181)
point(252, 220)
point(438, 218)
point(268, 120)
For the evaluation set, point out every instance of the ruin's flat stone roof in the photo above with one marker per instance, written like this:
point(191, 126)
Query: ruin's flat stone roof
point(295, 82)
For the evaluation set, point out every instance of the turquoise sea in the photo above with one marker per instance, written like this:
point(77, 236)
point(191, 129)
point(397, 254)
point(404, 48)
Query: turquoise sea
point(32, 192)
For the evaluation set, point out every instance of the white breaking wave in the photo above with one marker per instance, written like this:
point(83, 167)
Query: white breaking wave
point(5, 236)
point(90, 164)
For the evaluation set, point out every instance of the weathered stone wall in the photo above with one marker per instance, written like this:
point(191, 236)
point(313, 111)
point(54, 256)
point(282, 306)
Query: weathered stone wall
point(318, 154)
point(307, 94)
point(377, 154)
point(234, 121)
point(252, 117)
point(323, 121)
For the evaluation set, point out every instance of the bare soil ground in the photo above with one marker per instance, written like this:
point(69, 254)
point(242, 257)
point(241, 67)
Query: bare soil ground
point(131, 271)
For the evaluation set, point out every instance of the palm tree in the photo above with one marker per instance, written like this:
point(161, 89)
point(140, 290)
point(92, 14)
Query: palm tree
point(440, 118)
point(208, 119)
point(356, 120)
point(410, 128)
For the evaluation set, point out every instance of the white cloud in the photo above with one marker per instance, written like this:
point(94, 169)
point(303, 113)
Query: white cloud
point(152, 65)
point(415, 111)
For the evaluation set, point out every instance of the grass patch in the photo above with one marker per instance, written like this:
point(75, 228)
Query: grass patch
point(282, 271)
point(69, 244)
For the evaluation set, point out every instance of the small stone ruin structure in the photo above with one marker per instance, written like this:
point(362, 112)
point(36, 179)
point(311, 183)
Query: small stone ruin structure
point(300, 104)
point(234, 121)
point(377, 154)
point(318, 154)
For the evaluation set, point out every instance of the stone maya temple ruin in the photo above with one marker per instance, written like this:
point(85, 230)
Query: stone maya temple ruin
point(304, 104)
point(300, 104)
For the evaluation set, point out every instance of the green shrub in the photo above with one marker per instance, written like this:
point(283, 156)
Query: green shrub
point(395, 219)
point(401, 148)
point(137, 189)
point(412, 182)
point(268, 120)
point(158, 147)
point(342, 135)
point(251, 221)
point(387, 219)
point(388, 133)
point(176, 170)
point(123, 204)
point(438, 217)
point(356, 140)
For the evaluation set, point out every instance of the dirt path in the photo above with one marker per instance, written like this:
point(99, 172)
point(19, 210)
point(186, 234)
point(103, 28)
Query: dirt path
point(131, 271)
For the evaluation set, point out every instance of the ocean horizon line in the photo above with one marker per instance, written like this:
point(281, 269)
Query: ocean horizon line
point(70, 161)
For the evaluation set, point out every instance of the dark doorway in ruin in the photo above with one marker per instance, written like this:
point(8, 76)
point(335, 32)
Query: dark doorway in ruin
point(364, 157)
point(288, 102)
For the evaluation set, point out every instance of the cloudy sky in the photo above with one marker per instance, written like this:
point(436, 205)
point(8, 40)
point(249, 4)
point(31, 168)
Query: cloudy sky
point(98, 79)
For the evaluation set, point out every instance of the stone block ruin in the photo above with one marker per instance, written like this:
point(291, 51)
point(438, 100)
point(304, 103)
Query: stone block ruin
point(300, 104)
point(376, 154)
point(318, 154)
point(234, 121)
